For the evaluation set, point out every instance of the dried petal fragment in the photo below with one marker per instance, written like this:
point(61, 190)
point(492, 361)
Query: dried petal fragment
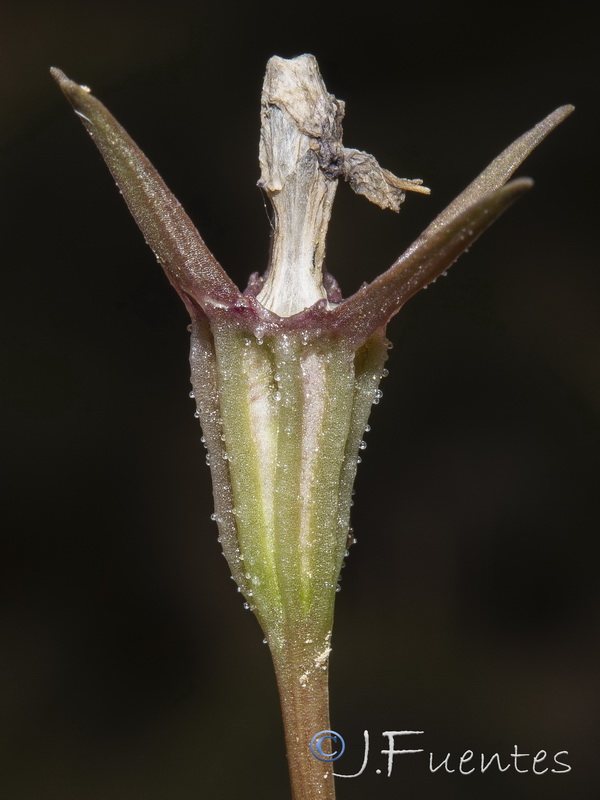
point(377, 184)
point(302, 157)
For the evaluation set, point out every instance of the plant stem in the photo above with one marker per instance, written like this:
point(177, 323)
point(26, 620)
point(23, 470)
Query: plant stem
point(305, 707)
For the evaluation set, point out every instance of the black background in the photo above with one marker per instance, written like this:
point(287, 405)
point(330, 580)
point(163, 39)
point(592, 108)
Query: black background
point(469, 607)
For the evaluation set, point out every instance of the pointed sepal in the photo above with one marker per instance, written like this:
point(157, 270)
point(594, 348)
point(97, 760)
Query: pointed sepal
point(425, 260)
point(501, 168)
point(187, 261)
point(442, 242)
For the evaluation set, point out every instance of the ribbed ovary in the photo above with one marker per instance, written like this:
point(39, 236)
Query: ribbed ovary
point(287, 411)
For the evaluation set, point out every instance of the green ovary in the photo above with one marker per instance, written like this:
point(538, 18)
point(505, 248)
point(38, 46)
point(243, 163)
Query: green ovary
point(293, 413)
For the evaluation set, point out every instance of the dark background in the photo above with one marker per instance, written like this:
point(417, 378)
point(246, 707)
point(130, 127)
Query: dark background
point(469, 610)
